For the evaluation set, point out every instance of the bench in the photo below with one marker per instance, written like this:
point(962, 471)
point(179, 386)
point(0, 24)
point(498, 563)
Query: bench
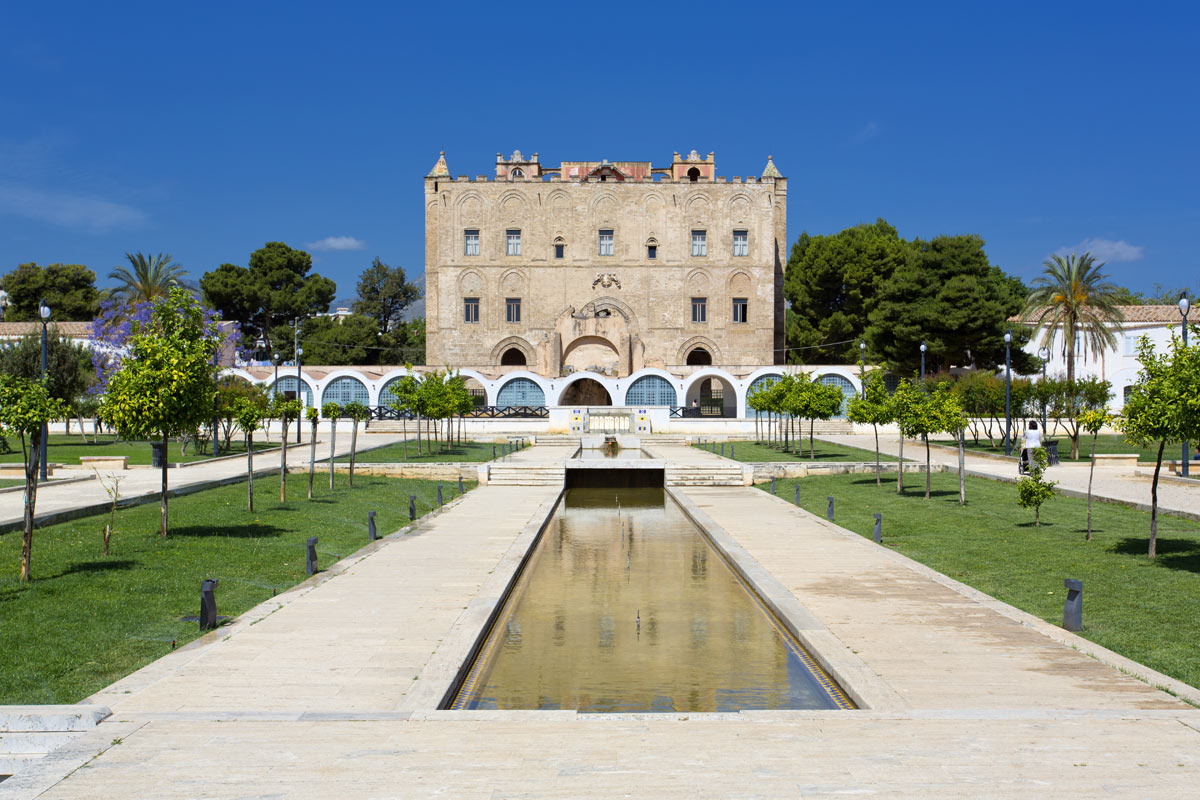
point(105, 462)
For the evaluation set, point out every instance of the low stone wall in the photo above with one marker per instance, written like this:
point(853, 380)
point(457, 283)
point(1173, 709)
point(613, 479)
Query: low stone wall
point(764, 471)
point(448, 471)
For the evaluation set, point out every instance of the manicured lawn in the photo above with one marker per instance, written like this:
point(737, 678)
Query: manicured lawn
point(87, 620)
point(1105, 443)
point(63, 449)
point(1146, 610)
point(7, 482)
point(407, 453)
point(825, 451)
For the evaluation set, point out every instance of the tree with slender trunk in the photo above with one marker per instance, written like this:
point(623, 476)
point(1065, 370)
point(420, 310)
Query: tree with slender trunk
point(331, 412)
point(314, 416)
point(872, 407)
point(1072, 298)
point(357, 412)
point(1092, 421)
point(249, 415)
point(285, 410)
point(904, 403)
point(147, 278)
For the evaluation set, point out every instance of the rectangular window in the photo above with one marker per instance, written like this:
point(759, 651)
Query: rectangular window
point(512, 309)
point(651, 251)
point(560, 250)
point(699, 243)
point(739, 309)
point(471, 242)
point(741, 243)
point(470, 309)
point(699, 309)
point(606, 242)
point(1130, 345)
point(512, 245)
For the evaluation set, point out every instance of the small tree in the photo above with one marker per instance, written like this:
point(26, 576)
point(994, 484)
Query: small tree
point(903, 403)
point(1164, 405)
point(25, 406)
point(1092, 421)
point(926, 413)
point(314, 416)
point(1034, 489)
point(165, 385)
point(285, 411)
point(248, 413)
point(407, 402)
point(331, 412)
point(873, 408)
point(357, 412)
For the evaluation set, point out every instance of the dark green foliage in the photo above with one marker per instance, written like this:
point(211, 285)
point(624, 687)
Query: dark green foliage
point(68, 289)
point(68, 365)
point(329, 341)
point(383, 294)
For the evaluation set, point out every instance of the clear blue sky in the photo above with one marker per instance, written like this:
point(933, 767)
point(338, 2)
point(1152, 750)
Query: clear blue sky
point(205, 130)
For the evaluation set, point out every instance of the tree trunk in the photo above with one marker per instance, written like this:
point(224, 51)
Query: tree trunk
point(82, 430)
point(283, 460)
point(878, 479)
point(1091, 472)
point(312, 458)
point(927, 475)
point(900, 471)
point(404, 425)
point(418, 435)
point(1037, 516)
point(164, 487)
point(33, 461)
point(812, 452)
point(332, 447)
point(353, 447)
point(250, 467)
point(1154, 502)
point(962, 467)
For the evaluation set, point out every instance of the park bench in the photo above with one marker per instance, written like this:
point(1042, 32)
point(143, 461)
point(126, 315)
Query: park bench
point(105, 462)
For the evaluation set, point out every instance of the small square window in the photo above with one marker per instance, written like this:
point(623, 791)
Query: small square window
point(699, 243)
point(740, 307)
point(512, 309)
point(560, 250)
point(512, 243)
point(606, 242)
point(699, 309)
point(651, 251)
point(741, 243)
point(471, 242)
point(470, 309)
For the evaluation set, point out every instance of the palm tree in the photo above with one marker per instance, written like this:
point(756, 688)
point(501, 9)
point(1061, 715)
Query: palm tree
point(1072, 296)
point(149, 279)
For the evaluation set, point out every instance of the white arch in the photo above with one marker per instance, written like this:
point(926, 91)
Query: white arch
point(641, 373)
point(377, 390)
point(243, 374)
point(324, 383)
point(739, 391)
point(743, 388)
point(559, 385)
point(493, 387)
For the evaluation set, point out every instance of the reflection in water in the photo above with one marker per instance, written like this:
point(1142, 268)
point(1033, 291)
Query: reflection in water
point(625, 454)
point(632, 610)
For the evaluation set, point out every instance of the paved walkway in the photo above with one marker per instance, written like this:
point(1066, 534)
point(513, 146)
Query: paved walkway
point(1114, 483)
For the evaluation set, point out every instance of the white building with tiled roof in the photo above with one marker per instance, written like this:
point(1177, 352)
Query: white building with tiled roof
point(1118, 366)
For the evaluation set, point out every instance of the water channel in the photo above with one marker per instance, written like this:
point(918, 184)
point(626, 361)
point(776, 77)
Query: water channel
point(625, 606)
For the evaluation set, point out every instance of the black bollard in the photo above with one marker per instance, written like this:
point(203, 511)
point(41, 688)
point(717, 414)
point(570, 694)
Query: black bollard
point(208, 604)
point(412, 507)
point(371, 534)
point(310, 563)
point(493, 451)
point(829, 511)
point(1073, 607)
point(731, 450)
point(439, 495)
point(772, 484)
point(796, 498)
point(878, 533)
point(460, 489)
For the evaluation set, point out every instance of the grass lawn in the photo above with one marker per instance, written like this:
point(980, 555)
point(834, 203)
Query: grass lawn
point(1146, 610)
point(825, 451)
point(64, 449)
point(1105, 443)
point(7, 482)
point(396, 453)
point(86, 620)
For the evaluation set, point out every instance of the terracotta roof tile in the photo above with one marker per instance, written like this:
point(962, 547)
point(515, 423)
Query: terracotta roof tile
point(1134, 314)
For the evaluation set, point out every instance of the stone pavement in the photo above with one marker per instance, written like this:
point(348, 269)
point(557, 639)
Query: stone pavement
point(1114, 483)
point(331, 689)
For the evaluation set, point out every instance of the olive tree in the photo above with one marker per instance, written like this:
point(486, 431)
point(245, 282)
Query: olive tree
point(873, 407)
point(357, 412)
point(285, 411)
point(248, 413)
point(1092, 420)
point(25, 407)
point(165, 387)
point(331, 412)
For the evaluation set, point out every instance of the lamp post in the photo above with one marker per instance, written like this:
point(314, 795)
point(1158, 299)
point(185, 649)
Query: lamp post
point(299, 389)
point(1044, 354)
point(862, 375)
point(44, 313)
point(216, 405)
point(923, 349)
point(1007, 395)
point(275, 383)
point(1184, 307)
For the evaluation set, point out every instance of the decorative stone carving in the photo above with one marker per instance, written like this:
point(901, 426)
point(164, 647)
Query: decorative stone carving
point(606, 280)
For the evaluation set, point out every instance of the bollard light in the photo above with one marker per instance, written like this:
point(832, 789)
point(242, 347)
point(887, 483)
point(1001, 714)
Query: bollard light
point(796, 498)
point(208, 604)
point(412, 507)
point(439, 495)
point(1073, 607)
point(310, 562)
point(493, 451)
point(731, 449)
point(772, 484)
point(460, 486)
point(829, 511)
point(878, 533)
point(371, 534)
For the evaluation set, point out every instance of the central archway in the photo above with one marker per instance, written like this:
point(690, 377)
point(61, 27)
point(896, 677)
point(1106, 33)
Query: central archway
point(585, 392)
point(592, 354)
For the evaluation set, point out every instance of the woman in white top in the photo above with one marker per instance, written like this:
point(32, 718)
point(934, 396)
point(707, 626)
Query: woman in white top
point(1033, 440)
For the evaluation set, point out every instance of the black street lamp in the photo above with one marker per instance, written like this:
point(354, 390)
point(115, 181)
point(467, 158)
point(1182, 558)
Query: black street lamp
point(1044, 354)
point(862, 375)
point(923, 349)
point(44, 313)
point(1007, 395)
point(1184, 307)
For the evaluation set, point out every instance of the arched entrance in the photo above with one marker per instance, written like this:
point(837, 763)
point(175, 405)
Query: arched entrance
point(713, 396)
point(699, 357)
point(592, 354)
point(512, 357)
point(585, 392)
